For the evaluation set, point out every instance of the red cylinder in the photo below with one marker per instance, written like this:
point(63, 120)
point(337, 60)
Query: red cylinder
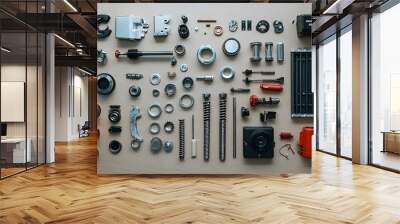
point(305, 141)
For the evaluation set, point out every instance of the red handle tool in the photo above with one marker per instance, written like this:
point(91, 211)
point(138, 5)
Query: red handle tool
point(274, 87)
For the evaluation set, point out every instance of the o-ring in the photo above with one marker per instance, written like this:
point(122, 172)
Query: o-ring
point(154, 110)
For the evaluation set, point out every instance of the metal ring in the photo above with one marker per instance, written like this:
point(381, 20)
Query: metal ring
point(179, 49)
point(169, 127)
point(154, 128)
point(135, 90)
point(169, 108)
point(218, 30)
point(135, 144)
point(184, 67)
point(227, 73)
point(202, 50)
point(105, 84)
point(170, 89)
point(187, 82)
point(262, 26)
point(186, 106)
point(156, 113)
point(155, 79)
point(231, 47)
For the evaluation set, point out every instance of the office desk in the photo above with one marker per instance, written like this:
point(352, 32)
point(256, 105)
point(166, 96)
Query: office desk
point(16, 147)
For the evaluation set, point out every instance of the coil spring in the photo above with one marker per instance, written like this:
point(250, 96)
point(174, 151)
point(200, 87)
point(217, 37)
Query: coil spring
point(222, 126)
point(181, 139)
point(206, 125)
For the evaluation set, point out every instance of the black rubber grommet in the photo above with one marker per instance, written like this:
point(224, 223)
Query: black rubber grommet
point(105, 84)
point(115, 147)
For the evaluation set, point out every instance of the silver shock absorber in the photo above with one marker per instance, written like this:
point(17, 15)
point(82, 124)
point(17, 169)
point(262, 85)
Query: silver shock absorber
point(181, 139)
point(206, 125)
point(222, 126)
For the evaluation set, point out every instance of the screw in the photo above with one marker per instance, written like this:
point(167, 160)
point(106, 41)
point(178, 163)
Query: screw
point(207, 78)
point(278, 80)
point(240, 90)
point(248, 72)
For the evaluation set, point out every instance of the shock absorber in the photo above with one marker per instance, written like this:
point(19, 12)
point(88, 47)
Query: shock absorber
point(222, 126)
point(181, 139)
point(206, 125)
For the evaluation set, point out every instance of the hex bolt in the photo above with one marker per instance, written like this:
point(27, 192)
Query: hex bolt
point(256, 48)
point(268, 51)
point(254, 100)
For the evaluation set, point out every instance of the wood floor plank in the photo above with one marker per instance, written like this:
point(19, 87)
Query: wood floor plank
point(70, 191)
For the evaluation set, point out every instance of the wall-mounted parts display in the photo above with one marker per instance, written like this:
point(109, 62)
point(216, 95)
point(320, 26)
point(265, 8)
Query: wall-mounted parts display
point(183, 29)
point(233, 25)
point(135, 53)
point(256, 49)
point(156, 145)
point(206, 125)
point(227, 73)
point(303, 25)
point(155, 79)
point(114, 113)
point(268, 52)
point(168, 146)
point(103, 33)
point(207, 78)
point(244, 112)
point(278, 26)
point(280, 52)
point(206, 54)
point(266, 116)
point(169, 127)
point(136, 138)
point(101, 56)
point(161, 26)
point(222, 125)
point(181, 139)
point(115, 147)
point(255, 101)
point(258, 142)
point(154, 110)
point(302, 100)
point(186, 101)
point(187, 83)
point(179, 50)
point(105, 84)
point(170, 89)
point(218, 30)
point(130, 27)
point(115, 129)
point(231, 47)
point(262, 26)
point(135, 90)
point(155, 92)
point(154, 128)
point(134, 76)
point(169, 108)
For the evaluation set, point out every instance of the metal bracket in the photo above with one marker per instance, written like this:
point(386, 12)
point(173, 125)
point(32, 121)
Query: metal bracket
point(161, 26)
point(130, 27)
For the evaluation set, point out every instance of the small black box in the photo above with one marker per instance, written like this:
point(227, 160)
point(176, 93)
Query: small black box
point(303, 25)
point(258, 142)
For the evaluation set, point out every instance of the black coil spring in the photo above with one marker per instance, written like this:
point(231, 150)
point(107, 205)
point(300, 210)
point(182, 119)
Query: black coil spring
point(181, 139)
point(222, 126)
point(206, 125)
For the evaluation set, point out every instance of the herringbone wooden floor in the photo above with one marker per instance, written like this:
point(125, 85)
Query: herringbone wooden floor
point(69, 191)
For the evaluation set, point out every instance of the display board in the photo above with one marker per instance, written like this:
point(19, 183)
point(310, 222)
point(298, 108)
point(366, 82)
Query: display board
point(12, 101)
point(209, 25)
